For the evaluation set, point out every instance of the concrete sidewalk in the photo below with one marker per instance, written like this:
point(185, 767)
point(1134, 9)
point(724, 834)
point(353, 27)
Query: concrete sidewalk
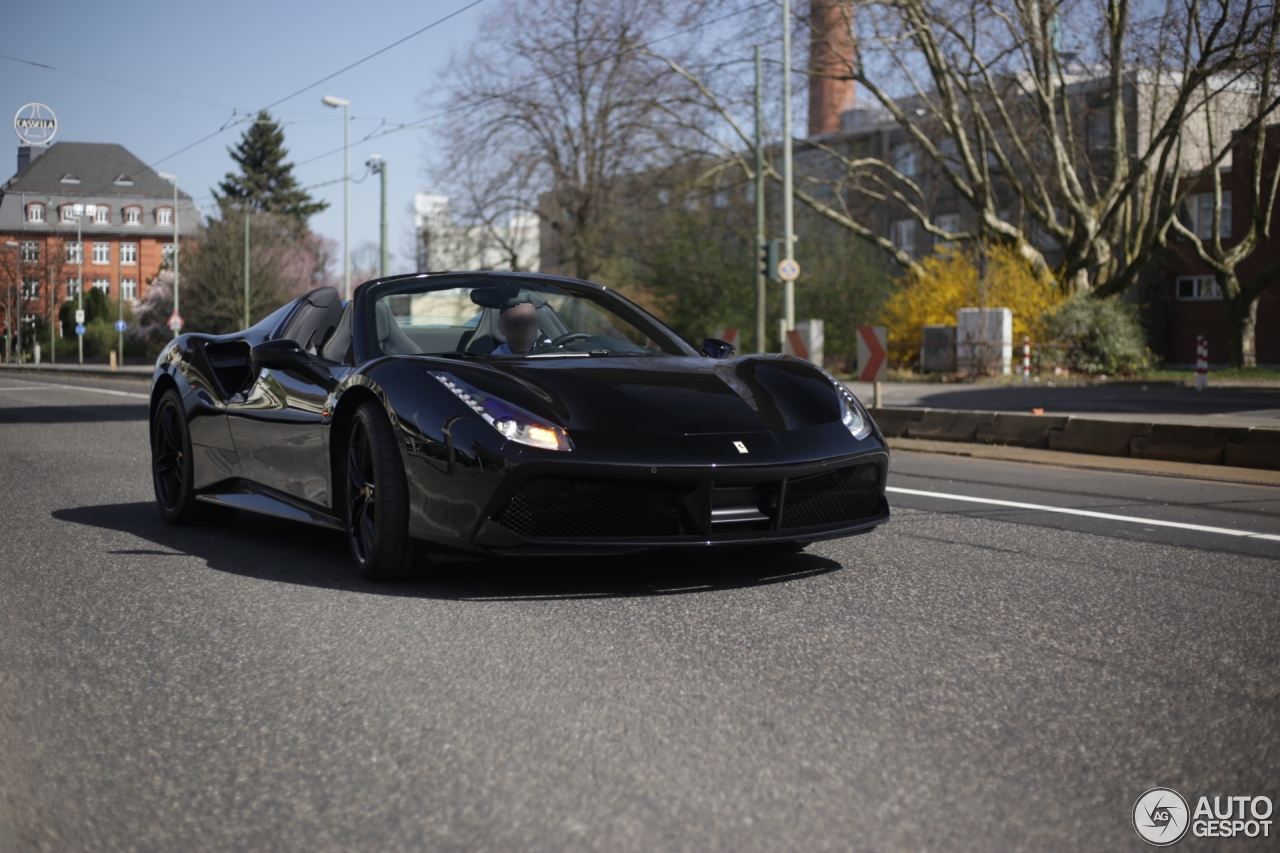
point(129, 371)
point(1154, 403)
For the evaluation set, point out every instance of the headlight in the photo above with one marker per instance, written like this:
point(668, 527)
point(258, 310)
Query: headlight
point(513, 422)
point(852, 415)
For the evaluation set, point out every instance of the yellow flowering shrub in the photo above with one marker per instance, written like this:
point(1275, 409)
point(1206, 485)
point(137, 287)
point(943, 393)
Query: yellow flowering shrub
point(951, 281)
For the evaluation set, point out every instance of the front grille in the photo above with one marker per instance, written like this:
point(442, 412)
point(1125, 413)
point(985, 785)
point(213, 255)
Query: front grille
point(835, 497)
point(573, 509)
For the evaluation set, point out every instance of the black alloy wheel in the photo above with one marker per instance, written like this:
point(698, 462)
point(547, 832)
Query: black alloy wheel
point(172, 468)
point(377, 502)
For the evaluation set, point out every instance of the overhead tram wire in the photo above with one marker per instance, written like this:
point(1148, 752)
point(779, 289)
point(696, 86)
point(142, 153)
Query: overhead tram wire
point(430, 118)
point(231, 123)
point(116, 82)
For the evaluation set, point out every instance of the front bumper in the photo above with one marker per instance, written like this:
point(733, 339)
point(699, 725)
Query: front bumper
point(585, 508)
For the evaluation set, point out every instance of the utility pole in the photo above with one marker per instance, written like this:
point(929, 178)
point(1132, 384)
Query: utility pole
point(331, 101)
point(788, 209)
point(8, 302)
point(79, 211)
point(174, 180)
point(120, 307)
point(246, 268)
point(761, 248)
point(379, 167)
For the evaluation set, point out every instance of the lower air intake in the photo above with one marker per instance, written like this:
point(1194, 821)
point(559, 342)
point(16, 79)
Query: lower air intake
point(578, 509)
point(836, 497)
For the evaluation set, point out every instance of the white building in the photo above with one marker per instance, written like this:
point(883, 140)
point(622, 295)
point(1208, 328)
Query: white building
point(444, 244)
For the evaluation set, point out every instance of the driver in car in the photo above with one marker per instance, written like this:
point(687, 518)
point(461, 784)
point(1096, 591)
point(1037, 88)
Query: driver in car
point(519, 325)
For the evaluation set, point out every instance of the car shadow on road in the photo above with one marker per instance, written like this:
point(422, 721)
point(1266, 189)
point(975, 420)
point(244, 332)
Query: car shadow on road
point(288, 552)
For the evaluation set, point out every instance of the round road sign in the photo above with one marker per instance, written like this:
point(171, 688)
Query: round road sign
point(80, 328)
point(789, 269)
point(121, 325)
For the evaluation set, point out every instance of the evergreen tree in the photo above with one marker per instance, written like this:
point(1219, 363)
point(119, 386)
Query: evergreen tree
point(266, 182)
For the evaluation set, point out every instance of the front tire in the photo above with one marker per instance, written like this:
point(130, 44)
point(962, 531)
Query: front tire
point(172, 468)
point(377, 498)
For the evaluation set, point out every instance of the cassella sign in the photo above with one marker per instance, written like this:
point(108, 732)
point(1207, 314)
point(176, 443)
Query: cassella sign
point(35, 124)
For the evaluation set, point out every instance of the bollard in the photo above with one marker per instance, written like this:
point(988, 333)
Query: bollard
point(1026, 362)
point(877, 400)
point(1202, 362)
point(113, 361)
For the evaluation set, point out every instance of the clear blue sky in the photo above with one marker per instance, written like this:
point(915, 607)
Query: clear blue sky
point(244, 55)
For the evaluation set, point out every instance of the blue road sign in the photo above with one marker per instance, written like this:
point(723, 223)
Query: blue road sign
point(121, 325)
point(80, 329)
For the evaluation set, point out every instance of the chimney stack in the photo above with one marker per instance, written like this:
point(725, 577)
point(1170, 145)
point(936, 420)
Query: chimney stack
point(830, 58)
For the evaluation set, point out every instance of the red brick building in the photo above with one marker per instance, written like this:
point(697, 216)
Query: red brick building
point(126, 218)
point(1189, 303)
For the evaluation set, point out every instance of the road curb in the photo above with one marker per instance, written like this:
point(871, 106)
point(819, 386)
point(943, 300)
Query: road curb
point(125, 372)
point(1063, 459)
point(1238, 447)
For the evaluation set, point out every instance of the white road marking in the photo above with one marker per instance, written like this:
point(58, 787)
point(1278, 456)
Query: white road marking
point(1088, 513)
point(44, 386)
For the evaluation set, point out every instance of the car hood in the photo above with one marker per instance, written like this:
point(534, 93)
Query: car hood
point(660, 395)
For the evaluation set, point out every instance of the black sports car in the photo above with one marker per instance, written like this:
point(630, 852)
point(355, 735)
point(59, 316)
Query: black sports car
point(505, 414)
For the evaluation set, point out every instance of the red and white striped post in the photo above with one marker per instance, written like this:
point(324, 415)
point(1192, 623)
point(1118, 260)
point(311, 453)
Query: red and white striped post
point(1202, 362)
point(1026, 362)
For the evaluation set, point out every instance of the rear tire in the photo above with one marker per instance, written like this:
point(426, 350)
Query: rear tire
point(172, 468)
point(377, 498)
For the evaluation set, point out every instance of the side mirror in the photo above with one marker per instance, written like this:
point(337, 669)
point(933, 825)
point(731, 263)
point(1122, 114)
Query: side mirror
point(716, 348)
point(288, 356)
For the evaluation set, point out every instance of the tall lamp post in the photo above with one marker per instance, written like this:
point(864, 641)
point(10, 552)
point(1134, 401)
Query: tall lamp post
point(788, 211)
point(379, 167)
point(173, 179)
point(8, 303)
point(331, 101)
point(80, 211)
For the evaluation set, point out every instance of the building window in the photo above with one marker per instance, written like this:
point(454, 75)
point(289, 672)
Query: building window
point(164, 215)
point(30, 252)
point(30, 288)
point(133, 216)
point(166, 255)
point(101, 215)
point(73, 288)
point(129, 254)
point(75, 252)
point(69, 214)
point(949, 222)
point(1099, 129)
point(102, 253)
point(1198, 288)
point(1199, 215)
point(905, 159)
point(102, 284)
point(129, 288)
point(903, 234)
point(35, 213)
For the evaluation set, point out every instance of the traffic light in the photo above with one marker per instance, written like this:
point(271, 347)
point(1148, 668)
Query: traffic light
point(770, 256)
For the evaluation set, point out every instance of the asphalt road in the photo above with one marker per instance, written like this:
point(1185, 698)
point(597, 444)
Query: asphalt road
point(971, 676)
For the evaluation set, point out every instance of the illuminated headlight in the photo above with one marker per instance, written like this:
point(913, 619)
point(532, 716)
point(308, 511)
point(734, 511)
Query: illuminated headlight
point(852, 415)
point(511, 421)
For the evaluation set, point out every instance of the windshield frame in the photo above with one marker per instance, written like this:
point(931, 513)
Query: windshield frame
point(370, 292)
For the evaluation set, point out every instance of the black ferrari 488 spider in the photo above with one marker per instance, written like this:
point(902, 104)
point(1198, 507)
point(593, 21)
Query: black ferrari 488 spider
point(506, 414)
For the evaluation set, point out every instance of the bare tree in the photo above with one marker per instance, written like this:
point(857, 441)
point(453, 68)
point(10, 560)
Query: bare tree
point(1073, 150)
point(553, 109)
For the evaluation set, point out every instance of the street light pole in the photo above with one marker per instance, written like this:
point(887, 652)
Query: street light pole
point(761, 258)
point(788, 210)
point(331, 101)
point(8, 303)
point(174, 180)
point(80, 276)
point(379, 167)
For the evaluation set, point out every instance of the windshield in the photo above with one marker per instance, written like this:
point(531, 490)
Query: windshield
point(492, 317)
